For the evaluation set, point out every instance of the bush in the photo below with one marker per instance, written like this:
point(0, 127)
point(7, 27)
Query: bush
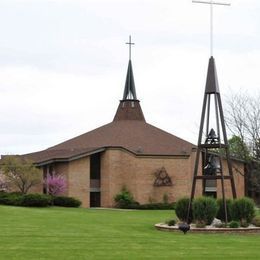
point(256, 221)
point(134, 205)
point(181, 209)
point(204, 209)
point(244, 223)
point(35, 200)
point(161, 206)
point(221, 211)
point(63, 201)
point(13, 199)
point(234, 224)
point(171, 222)
point(201, 224)
point(243, 210)
point(124, 199)
point(149, 206)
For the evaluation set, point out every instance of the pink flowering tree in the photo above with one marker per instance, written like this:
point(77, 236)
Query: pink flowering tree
point(55, 185)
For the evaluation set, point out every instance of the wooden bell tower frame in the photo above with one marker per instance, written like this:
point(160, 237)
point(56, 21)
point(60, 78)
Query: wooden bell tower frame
point(211, 144)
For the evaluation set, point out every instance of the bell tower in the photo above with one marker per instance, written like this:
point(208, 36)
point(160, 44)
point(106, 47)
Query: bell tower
point(213, 146)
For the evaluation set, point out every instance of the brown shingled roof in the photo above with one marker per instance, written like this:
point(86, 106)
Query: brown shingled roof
point(128, 130)
point(59, 155)
point(134, 135)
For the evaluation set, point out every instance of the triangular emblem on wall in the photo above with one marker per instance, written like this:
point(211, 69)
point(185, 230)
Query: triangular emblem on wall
point(162, 178)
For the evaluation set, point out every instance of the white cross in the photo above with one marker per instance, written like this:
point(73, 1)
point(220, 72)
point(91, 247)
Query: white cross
point(211, 3)
point(130, 43)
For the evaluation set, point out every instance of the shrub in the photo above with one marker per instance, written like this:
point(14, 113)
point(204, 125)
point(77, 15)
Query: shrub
point(13, 199)
point(221, 211)
point(2, 197)
point(134, 205)
point(27, 200)
point(181, 209)
point(66, 201)
point(35, 200)
point(124, 198)
point(243, 209)
point(244, 223)
point(204, 209)
point(201, 224)
point(234, 224)
point(157, 206)
point(171, 222)
point(256, 221)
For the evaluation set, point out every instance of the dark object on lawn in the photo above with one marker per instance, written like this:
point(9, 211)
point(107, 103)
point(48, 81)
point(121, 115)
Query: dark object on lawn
point(184, 227)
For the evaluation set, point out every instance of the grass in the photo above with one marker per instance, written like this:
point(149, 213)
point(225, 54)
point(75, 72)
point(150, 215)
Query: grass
point(61, 233)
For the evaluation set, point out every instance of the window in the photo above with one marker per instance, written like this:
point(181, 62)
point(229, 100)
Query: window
point(95, 166)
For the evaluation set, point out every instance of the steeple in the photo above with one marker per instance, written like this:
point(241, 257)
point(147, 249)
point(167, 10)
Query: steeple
point(129, 107)
point(129, 92)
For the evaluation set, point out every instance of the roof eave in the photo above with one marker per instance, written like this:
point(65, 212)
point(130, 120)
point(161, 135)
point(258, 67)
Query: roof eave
point(68, 159)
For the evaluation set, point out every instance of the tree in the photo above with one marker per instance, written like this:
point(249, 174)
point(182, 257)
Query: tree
point(4, 184)
point(238, 148)
point(243, 121)
point(20, 172)
point(55, 185)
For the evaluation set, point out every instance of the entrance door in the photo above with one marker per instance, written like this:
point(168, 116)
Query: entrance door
point(94, 199)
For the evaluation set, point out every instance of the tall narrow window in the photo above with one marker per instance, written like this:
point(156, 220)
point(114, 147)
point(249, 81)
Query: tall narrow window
point(95, 166)
point(95, 195)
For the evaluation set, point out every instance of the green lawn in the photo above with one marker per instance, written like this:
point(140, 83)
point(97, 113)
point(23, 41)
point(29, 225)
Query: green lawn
point(60, 233)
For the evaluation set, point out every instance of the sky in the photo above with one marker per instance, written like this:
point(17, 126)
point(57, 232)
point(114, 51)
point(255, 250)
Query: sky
point(63, 64)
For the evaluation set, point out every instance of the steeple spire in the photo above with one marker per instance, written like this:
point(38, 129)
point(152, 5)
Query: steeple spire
point(129, 92)
point(129, 107)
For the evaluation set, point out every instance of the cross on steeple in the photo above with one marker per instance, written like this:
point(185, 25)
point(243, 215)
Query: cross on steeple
point(211, 3)
point(130, 43)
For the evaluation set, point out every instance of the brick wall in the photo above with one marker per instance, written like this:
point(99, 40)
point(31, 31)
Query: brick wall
point(79, 180)
point(121, 168)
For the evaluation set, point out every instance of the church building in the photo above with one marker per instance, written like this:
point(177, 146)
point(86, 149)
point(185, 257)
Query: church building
point(131, 153)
